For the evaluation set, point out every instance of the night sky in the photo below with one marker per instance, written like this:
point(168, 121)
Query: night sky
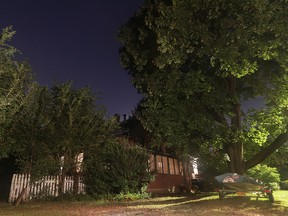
point(75, 40)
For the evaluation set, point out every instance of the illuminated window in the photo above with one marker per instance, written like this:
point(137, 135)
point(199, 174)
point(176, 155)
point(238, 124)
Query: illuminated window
point(151, 162)
point(176, 167)
point(159, 164)
point(171, 166)
point(165, 165)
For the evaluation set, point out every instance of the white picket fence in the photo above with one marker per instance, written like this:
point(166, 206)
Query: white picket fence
point(46, 186)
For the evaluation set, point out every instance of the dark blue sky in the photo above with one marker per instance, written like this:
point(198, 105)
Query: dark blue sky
point(75, 40)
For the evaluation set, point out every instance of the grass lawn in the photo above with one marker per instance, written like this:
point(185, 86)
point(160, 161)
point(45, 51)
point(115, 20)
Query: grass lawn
point(203, 204)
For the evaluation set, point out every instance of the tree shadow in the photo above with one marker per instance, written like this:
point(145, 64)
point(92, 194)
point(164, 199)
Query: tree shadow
point(207, 204)
point(243, 205)
point(170, 199)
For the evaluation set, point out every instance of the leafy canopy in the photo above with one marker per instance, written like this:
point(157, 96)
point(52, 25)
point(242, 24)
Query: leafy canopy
point(14, 78)
point(264, 173)
point(56, 122)
point(197, 62)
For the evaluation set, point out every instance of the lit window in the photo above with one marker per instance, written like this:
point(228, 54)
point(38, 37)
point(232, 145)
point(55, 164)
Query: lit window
point(165, 165)
point(176, 167)
point(171, 166)
point(151, 162)
point(159, 164)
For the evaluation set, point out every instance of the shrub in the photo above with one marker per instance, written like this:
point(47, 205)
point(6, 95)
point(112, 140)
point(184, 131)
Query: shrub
point(117, 168)
point(127, 168)
point(94, 174)
point(142, 194)
point(131, 196)
point(265, 174)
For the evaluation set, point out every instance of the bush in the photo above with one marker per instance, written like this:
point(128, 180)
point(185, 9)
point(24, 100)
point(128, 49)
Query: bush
point(128, 167)
point(284, 185)
point(264, 173)
point(117, 168)
point(131, 196)
point(94, 175)
point(142, 194)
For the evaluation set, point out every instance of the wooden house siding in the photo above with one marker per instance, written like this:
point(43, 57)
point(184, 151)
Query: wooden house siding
point(172, 175)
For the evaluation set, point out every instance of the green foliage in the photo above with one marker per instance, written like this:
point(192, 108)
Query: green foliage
point(278, 159)
point(284, 185)
point(14, 78)
point(77, 122)
point(265, 174)
point(197, 63)
point(32, 136)
point(131, 196)
point(127, 167)
point(53, 123)
point(116, 168)
point(274, 186)
point(94, 172)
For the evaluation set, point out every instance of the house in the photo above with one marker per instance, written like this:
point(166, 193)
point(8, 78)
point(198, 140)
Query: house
point(172, 175)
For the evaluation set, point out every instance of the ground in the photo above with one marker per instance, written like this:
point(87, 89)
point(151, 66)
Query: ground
point(204, 204)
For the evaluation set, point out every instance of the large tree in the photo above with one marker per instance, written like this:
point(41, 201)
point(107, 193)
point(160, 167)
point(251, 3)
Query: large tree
point(54, 126)
point(198, 62)
point(30, 133)
point(14, 79)
point(78, 122)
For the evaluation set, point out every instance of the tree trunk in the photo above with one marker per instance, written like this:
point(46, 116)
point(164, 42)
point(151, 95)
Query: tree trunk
point(21, 195)
point(235, 149)
point(236, 163)
point(76, 178)
point(61, 184)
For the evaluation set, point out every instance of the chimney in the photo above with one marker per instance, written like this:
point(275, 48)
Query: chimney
point(124, 117)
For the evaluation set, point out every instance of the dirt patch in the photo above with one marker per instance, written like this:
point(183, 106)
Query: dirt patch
point(166, 206)
point(173, 206)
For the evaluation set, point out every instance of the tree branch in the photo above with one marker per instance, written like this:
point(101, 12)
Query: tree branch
point(218, 116)
point(265, 152)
